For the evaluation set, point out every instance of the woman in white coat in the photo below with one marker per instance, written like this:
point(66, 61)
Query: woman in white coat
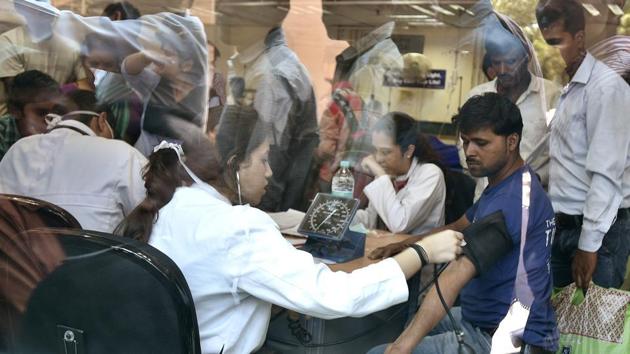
point(236, 262)
point(408, 192)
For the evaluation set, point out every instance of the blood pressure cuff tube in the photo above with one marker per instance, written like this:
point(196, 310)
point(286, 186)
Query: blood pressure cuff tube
point(487, 240)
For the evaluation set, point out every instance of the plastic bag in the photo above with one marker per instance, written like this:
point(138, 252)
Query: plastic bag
point(598, 322)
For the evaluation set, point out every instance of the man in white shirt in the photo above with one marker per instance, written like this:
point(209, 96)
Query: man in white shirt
point(509, 59)
point(589, 149)
point(77, 166)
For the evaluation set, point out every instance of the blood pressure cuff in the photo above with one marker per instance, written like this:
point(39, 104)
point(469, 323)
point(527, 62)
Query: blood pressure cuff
point(487, 240)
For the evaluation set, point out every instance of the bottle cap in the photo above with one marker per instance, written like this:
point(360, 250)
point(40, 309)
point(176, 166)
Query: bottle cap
point(345, 164)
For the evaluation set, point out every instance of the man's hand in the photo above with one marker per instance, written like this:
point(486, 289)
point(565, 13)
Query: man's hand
point(161, 60)
point(583, 267)
point(391, 249)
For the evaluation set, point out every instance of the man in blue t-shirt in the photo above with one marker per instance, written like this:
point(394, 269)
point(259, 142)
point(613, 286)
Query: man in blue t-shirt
point(491, 127)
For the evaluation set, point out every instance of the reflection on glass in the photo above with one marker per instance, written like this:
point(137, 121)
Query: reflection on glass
point(267, 75)
point(333, 80)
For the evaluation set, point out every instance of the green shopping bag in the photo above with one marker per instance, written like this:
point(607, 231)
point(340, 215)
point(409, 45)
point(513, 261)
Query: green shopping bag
point(598, 323)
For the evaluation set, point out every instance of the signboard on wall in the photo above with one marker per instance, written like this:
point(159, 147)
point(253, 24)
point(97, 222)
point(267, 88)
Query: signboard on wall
point(435, 79)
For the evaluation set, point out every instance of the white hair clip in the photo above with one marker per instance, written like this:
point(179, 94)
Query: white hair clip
point(180, 156)
point(166, 145)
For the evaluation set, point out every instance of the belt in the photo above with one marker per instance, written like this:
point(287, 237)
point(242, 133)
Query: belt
point(566, 221)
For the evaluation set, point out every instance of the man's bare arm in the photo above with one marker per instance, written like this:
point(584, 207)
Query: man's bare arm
point(452, 280)
point(395, 248)
point(136, 62)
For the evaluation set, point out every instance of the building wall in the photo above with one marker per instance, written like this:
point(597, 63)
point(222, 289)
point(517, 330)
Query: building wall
point(447, 47)
point(450, 49)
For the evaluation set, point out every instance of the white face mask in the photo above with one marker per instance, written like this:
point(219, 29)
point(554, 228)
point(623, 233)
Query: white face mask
point(52, 119)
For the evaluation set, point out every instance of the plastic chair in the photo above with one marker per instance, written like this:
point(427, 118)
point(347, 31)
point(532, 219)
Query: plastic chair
point(22, 265)
point(106, 294)
point(36, 213)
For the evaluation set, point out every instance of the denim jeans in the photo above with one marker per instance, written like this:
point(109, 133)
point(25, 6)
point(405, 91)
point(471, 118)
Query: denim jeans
point(442, 338)
point(612, 257)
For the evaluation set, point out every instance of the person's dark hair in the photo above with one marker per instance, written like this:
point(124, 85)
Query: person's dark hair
point(85, 100)
point(485, 65)
point(27, 86)
point(490, 110)
point(569, 11)
point(125, 8)
point(240, 132)
point(406, 131)
point(162, 176)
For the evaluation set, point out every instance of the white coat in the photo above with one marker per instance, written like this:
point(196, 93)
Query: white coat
point(97, 180)
point(237, 264)
point(416, 208)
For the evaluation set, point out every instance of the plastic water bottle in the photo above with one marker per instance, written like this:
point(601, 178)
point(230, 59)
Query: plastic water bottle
point(343, 181)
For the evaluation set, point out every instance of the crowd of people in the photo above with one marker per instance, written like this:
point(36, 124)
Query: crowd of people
point(125, 121)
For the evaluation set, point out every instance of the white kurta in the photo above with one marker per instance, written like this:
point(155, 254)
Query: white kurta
point(237, 264)
point(97, 180)
point(415, 209)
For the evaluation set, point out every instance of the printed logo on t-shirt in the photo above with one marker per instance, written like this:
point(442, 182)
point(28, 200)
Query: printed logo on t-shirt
point(550, 232)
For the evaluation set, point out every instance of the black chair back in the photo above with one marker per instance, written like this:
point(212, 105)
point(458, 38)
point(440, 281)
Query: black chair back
point(107, 294)
point(49, 214)
point(460, 194)
point(23, 264)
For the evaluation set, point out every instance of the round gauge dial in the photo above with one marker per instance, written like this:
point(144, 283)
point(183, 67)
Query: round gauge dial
point(329, 217)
